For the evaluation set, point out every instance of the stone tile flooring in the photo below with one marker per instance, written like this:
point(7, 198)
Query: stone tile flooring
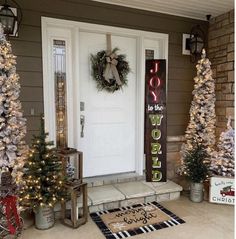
point(203, 221)
point(165, 187)
point(112, 179)
point(134, 189)
point(127, 193)
point(104, 194)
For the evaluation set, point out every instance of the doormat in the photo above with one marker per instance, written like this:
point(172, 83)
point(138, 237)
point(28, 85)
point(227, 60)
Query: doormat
point(133, 220)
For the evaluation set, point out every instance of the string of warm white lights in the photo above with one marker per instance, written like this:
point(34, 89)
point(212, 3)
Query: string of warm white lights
point(43, 178)
point(13, 150)
point(223, 162)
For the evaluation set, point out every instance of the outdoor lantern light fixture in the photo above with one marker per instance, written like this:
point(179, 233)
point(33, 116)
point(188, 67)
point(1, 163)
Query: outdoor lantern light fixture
point(10, 17)
point(196, 43)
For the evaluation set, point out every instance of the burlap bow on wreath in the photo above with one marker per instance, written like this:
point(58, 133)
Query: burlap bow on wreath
point(109, 69)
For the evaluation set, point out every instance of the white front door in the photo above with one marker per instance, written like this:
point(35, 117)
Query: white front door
point(113, 139)
point(109, 118)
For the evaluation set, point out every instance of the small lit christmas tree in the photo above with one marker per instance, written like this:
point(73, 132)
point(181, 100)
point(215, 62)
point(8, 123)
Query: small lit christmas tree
point(201, 128)
point(42, 174)
point(196, 167)
point(223, 161)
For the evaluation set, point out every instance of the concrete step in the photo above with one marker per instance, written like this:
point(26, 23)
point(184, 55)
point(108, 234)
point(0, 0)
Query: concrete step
point(123, 194)
point(126, 194)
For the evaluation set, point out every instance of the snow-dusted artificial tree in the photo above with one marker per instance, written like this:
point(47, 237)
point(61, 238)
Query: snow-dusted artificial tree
point(222, 163)
point(200, 131)
point(12, 122)
point(12, 146)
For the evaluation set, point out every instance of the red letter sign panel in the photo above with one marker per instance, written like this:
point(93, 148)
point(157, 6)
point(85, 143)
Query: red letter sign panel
point(155, 120)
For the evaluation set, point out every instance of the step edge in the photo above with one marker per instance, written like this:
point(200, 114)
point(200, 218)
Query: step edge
point(137, 197)
point(119, 201)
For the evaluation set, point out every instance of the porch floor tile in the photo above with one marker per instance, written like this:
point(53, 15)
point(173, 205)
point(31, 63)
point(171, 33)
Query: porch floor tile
point(204, 220)
point(165, 187)
point(104, 194)
point(134, 189)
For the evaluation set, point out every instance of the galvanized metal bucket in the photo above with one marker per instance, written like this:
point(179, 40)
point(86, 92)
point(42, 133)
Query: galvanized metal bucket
point(44, 218)
point(196, 192)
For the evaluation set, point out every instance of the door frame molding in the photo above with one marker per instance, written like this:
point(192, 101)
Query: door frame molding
point(69, 31)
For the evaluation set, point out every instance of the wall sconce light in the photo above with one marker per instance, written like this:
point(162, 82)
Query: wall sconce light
point(196, 43)
point(10, 17)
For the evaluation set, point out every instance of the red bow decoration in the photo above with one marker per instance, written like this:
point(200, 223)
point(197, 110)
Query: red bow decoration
point(10, 204)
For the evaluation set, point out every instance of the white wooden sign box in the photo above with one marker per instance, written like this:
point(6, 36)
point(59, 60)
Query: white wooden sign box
point(222, 190)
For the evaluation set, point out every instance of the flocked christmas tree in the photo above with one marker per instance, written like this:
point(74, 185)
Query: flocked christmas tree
point(43, 176)
point(12, 145)
point(200, 133)
point(12, 122)
point(222, 162)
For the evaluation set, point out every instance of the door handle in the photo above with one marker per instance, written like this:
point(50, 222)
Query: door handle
point(82, 121)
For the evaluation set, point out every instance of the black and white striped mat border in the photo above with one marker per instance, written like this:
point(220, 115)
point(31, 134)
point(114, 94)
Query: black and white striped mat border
point(174, 220)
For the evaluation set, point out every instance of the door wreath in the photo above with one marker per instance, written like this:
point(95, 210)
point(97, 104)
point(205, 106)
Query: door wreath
point(109, 69)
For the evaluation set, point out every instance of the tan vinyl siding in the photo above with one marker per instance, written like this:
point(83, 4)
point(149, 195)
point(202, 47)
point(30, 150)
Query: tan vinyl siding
point(29, 51)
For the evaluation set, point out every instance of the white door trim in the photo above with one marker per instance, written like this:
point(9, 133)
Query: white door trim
point(51, 28)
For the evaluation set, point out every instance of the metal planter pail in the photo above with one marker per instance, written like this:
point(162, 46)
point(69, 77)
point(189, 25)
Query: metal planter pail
point(196, 192)
point(206, 190)
point(44, 218)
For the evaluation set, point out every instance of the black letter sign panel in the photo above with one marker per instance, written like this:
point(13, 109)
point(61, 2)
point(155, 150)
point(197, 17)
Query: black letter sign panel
point(155, 120)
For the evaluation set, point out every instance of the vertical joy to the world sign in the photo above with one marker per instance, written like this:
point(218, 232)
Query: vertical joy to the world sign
point(155, 120)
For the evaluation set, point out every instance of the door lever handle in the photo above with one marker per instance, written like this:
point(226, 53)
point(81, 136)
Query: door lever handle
point(82, 121)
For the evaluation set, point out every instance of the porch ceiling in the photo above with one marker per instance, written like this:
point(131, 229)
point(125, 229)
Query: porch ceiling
point(197, 9)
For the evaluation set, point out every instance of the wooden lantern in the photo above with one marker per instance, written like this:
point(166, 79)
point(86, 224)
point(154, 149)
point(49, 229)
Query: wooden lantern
point(73, 217)
point(71, 158)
